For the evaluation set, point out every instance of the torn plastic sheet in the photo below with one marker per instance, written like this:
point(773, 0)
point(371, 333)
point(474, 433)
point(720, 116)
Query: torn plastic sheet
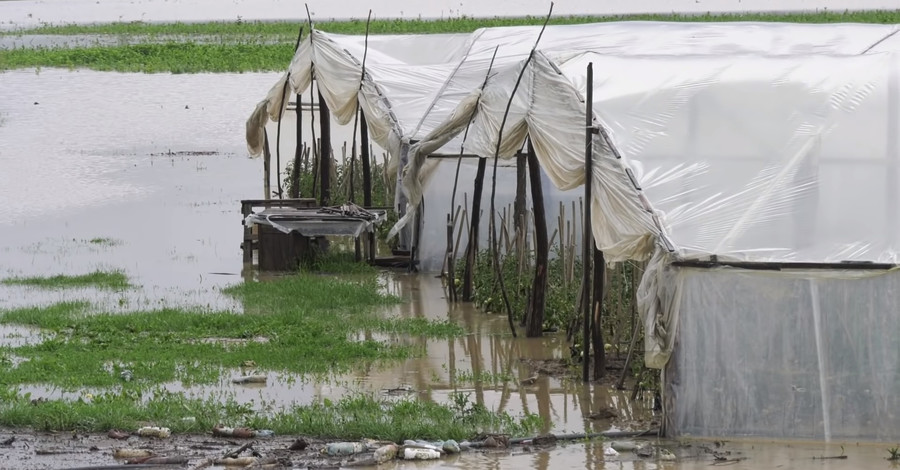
point(312, 223)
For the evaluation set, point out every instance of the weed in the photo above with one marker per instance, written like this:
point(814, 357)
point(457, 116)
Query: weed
point(104, 241)
point(98, 279)
point(894, 453)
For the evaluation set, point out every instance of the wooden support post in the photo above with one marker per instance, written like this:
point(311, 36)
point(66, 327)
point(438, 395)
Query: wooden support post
point(325, 153)
point(298, 153)
point(267, 166)
point(519, 202)
point(365, 159)
point(534, 324)
point(596, 325)
point(586, 233)
point(472, 249)
point(247, 245)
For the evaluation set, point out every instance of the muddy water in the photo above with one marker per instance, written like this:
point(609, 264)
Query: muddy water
point(153, 164)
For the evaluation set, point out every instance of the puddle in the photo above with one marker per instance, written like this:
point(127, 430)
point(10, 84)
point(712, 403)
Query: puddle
point(15, 336)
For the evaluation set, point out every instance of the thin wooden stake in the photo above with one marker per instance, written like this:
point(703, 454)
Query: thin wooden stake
point(586, 237)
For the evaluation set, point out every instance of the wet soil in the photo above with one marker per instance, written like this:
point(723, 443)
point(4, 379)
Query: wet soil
point(37, 450)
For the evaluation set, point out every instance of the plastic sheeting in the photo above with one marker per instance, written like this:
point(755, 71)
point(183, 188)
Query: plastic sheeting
point(805, 355)
point(413, 83)
point(766, 159)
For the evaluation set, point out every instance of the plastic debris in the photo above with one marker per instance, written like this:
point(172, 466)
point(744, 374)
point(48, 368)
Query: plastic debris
point(264, 433)
point(250, 379)
point(344, 448)
point(131, 453)
point(116, 434)
point(154, 431)
point(624, 446)
point(386, 453)
point(174, 460)
point(423, 445)
point(664, 454)
point(418, 453)
point(450, 446)
point(223, 431)
point(610, 452)
point(127, 375)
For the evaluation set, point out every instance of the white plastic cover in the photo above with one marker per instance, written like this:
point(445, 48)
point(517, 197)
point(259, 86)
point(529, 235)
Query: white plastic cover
point(750, 158)
point(415, 82)
point(801, 355)
point(769, 159)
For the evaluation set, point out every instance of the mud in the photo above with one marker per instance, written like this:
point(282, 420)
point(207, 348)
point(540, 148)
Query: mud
point(31, 450)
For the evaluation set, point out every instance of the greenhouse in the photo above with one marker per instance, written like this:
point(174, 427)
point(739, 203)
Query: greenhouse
point(755, 166)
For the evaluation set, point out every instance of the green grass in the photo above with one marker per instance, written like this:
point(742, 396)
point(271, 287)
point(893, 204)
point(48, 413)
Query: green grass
point(156, 58)
point(289, 30)
point(260, 46)
point(304, 324)
point(352, 417)
point(98, 279)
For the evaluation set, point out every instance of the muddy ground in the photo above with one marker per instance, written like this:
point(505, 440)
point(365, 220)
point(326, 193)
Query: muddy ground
point(21, 449)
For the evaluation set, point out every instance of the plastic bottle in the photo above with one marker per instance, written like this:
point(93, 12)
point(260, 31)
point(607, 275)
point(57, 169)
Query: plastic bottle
point(450, 446)
point(417, 453)
point(264, 433)
point(386, 453)
point(344, 448)
point(153, 431)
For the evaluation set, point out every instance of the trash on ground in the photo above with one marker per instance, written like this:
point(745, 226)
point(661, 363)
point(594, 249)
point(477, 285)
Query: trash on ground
point(418, 453)
point(250, 379)
point(386, 453)
point(224, 431)
point(116, 434)
point(154, 431)
point(344, 448)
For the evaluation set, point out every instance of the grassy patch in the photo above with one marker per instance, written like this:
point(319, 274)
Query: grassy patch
point(267, 46)
point(171, 57)
point(289, 30)
point(300, 324)
point(352, 417)
point(98, 279)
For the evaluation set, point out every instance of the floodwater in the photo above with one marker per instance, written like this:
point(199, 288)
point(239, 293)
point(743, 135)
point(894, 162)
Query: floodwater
point(154, 167)
point(29, 13)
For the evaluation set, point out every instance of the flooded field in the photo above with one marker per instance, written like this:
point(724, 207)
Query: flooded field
point(144, 173)
point(23, 13)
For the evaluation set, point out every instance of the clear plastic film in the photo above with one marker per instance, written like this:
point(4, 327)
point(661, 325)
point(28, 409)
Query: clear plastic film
point(799, 355)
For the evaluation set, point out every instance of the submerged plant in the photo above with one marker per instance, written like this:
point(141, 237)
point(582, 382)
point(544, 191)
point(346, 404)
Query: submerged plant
point(894, 453)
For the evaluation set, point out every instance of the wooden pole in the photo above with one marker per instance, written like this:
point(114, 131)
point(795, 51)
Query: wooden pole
point(267, 163)
point(534, 324)
point(298, 153)
point(596, 330)
point(586, 233)
point(519, 203)
point(365, 160)
point(473, 232)
point(325, 152)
